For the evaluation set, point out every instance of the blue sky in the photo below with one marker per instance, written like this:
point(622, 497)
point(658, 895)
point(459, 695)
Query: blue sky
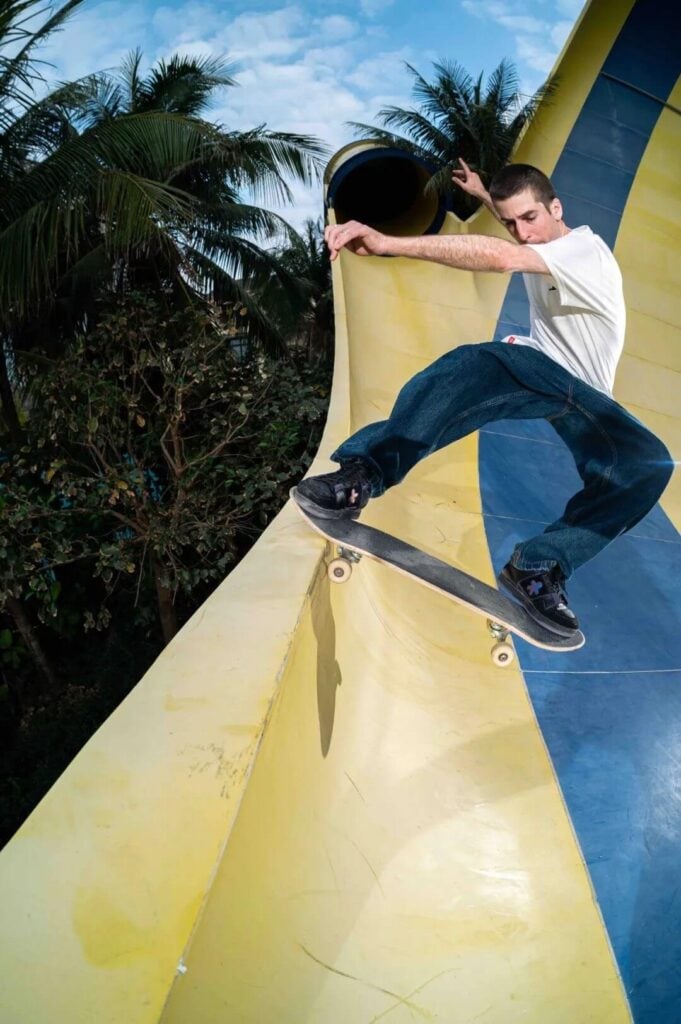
point(306, 68)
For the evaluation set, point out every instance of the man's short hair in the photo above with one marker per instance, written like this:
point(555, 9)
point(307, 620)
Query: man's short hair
point(515, 178)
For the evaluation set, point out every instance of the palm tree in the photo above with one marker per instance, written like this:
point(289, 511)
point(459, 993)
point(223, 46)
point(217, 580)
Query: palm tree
point(459, 117)
point(17, 78)
point(220, 255)
point(118, 179)
point(305, 315)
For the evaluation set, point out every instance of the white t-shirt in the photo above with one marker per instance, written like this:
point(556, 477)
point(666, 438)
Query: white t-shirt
point(577, 313)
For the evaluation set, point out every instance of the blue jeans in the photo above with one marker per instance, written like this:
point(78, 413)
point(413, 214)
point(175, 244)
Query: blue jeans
point(623, 465)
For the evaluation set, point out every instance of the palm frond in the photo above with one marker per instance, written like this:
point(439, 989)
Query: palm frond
point(38, 246)
point(241, 257)
point(105, 103)
point(455, 89)
point(134, 210)
point(244, 219)
point(261, 160)
point(150, 145)
point(387, 138)
point(13, 19)
point(502, 87)
point(425, 134)
point(130, 80)
point(184, 85)
point(30, 251)
point(452, 88)
point(47, 123)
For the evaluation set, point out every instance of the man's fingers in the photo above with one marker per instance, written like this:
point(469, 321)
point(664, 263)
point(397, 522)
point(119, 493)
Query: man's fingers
point(340, 235)
point(461, 173)
point(330, 233)
point(360, 238)
point(335, 241)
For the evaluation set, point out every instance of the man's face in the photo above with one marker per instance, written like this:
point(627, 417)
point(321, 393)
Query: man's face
point(528, 220)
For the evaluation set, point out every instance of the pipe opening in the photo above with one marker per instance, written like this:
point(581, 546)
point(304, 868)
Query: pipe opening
point(383, 188)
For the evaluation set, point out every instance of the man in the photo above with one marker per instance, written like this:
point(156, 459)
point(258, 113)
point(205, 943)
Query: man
point(563, 372)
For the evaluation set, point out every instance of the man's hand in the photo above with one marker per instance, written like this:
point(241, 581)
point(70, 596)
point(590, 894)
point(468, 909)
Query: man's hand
point(358, 238)
point(470, 182)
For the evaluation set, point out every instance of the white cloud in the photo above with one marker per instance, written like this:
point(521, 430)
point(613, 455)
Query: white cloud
point(293, 97)
point(274, 34)
point(560, 32)
point(329, 61)
point(570, 8)
point(299, 71)
point(504, 14)
point(94, 39)
point(193, 20)
point(382, 71)
point(337, 27)
point(303, 75)
point(372, 8)
point(296, 72)
point(538, 36)
point(533, 52)
point(521, 23)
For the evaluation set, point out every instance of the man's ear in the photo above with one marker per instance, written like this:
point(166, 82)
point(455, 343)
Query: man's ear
point(556, 209)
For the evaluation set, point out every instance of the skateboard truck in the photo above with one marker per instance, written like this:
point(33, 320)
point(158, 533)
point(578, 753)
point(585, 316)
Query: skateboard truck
point(502, 652)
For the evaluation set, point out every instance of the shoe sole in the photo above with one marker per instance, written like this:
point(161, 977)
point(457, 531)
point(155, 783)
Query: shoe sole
point(509, 586)
point(318, 511)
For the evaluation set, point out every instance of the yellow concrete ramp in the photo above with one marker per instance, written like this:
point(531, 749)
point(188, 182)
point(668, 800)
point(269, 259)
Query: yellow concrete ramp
point(323, 804)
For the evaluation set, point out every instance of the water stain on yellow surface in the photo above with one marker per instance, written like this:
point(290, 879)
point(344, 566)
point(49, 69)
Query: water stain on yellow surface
point(119, 934)
point(107, 934)
point(173, 703)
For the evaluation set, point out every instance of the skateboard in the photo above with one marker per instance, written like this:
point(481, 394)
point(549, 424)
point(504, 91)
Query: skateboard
point(504, 616)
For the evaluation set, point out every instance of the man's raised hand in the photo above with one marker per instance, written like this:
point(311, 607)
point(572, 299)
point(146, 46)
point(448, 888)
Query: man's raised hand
point(468, 181)
point(358, 238)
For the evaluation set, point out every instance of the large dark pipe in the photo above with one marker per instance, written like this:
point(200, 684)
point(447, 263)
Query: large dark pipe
point(383, 187)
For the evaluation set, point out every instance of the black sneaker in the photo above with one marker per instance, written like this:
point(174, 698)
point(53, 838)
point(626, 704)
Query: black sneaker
point(338, 495)
point(543, 594)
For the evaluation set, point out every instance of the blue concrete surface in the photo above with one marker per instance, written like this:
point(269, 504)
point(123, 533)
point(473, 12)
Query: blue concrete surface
point(610, 713)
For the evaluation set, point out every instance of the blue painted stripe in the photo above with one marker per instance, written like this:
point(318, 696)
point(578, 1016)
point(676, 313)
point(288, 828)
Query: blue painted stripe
point(610, 713)
point(614, 741)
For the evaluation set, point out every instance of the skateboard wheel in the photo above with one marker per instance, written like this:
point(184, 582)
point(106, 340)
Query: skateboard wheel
point(502, 654)
point(339, 570)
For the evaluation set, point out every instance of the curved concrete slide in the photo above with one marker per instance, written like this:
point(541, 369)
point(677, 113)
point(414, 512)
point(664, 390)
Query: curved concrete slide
point(323, 804)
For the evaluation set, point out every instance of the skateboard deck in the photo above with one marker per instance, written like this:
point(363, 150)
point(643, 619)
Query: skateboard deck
point(504, 615)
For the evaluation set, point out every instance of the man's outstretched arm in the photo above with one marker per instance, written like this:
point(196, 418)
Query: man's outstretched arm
point(463, 252)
